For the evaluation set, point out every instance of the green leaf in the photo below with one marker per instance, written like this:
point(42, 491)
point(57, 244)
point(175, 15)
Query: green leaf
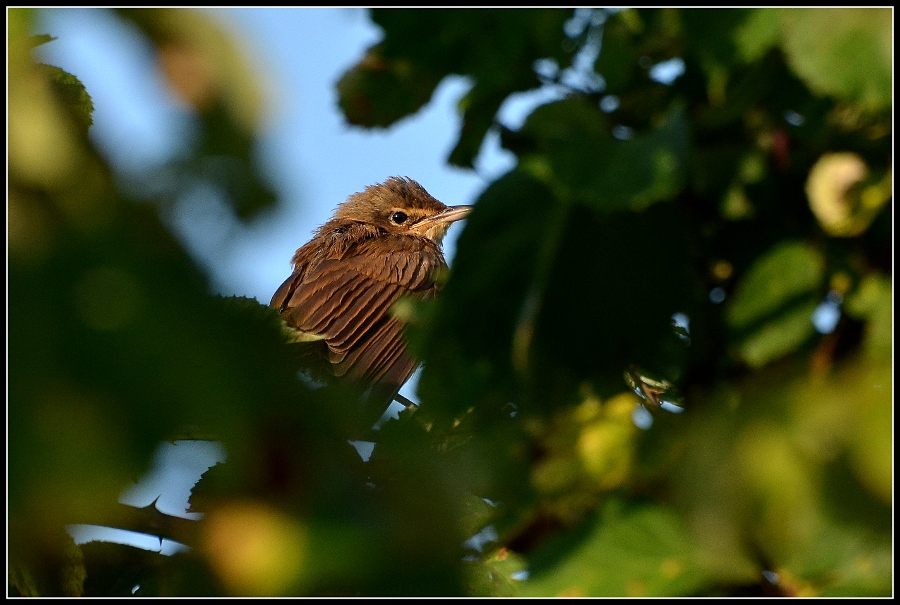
point(608, 299)
point(73, 96)
point(872, 450)
point(498, 254)
point(40, 39)
point(757, 34)
point(585, 164)
point(787, 271)
point(493, 574)
point(872, 301)
point(481, 106)
point(617, 61)
point(711, 34)
point(779, 336)
point(843, 52)
point(641, 551)
point(770, 312)
point(379, 90)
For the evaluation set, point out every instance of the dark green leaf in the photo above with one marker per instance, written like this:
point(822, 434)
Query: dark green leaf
point(577, 154)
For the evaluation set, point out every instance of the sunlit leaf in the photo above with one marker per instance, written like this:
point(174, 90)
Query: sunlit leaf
point(757, 34)
point(498, 574)
point(778, 336)
point(791, 269)
point(873, 300)
point(853, 57)
point(873, 445)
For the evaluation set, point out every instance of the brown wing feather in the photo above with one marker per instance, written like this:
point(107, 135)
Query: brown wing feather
point(384, 346)
point(341, 288)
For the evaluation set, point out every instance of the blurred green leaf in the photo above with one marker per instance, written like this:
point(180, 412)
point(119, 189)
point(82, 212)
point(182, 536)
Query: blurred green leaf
point(638, 551)
point(779, 336)
point(872, 300)
point(785, 272)
point(479, 108)
point(872, 445)
point(723, 38)
point(772, 306)
point(617, 60)
point(853, 57)
point(207, 68)
point(379, 90)
point(497, 574)
point(41, 39)
point(766, 474)
point(599, 311)
point(757, 33)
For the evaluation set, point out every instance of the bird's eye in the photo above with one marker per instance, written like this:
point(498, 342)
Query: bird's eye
point(398, 218)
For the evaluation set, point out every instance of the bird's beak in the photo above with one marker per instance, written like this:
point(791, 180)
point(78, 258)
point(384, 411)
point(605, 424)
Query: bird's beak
point(435, 226)
point(451, 214)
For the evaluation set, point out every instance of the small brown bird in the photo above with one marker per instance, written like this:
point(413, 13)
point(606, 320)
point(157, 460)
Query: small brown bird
point(382, 244)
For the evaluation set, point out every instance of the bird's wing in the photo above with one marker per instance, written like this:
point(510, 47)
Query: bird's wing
point(344, 297)
point(381, 358)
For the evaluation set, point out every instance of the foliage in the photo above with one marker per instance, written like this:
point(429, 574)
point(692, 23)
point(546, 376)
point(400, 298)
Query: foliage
point(745, 194)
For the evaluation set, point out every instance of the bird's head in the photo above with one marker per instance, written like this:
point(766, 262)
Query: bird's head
point(401, 206)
